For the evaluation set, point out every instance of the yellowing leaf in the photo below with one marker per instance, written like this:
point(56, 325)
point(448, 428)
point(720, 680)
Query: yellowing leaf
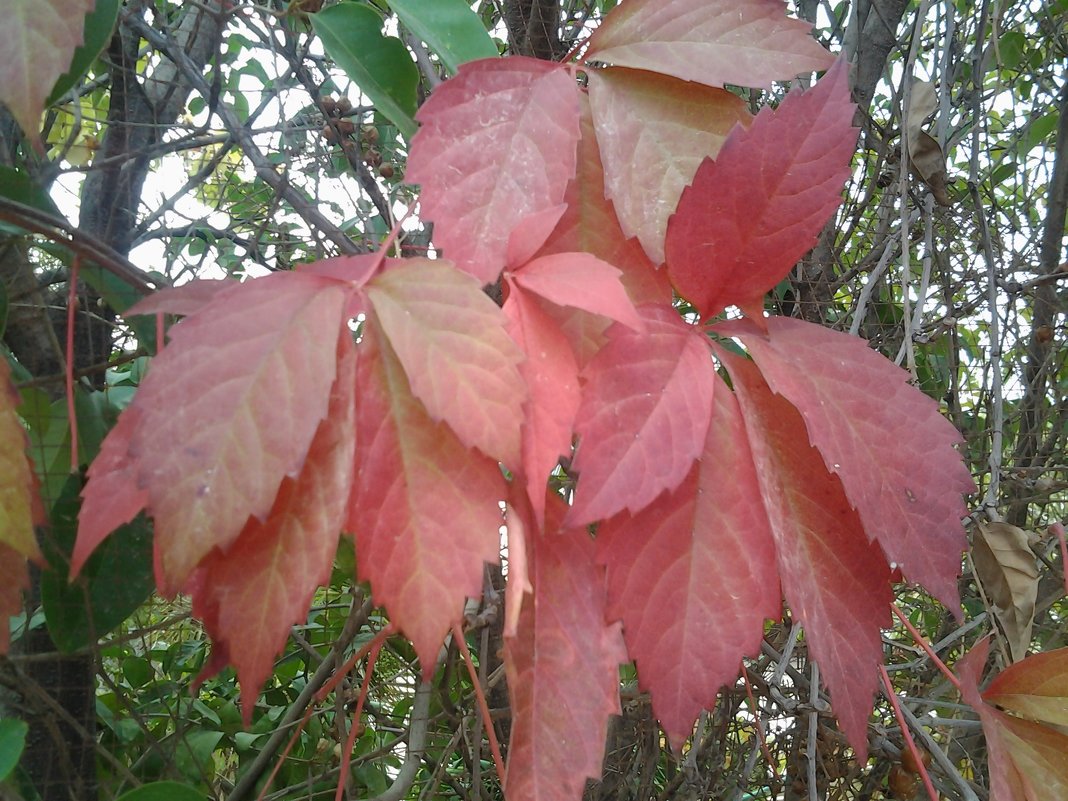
point(14, 578)
point(20, 506)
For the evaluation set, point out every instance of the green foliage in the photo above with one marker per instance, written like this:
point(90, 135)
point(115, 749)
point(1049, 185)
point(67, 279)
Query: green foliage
point(450, 27)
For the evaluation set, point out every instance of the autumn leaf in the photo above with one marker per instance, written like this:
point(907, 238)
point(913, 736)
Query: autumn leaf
point(424, 509)
point(14, 579)
point(227, 411)
point(1008, 572)
point(252, 593)
point(451, 340)
point(189, 298)
point(20, 505)
point(497, 144)
point(38, 40)
point(758, 207)
point(646, 405)
point(1036, 688)
point(714, 42)
point(589, 224)
point(653, 132)
point(884, 439)
point(562, 669)
point(582, 281)
point(836, 582)
point(692, 576)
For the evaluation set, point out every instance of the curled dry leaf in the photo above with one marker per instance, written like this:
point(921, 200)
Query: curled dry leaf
point(1005, 566)
point(925, 154)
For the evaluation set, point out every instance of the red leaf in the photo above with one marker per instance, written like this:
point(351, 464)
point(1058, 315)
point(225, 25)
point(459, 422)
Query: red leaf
point(250, 594)
point(228, 410)
point(886, 441)
point(692, 576)
point(1036, 688)
point(713, 42)
point(186, 299)
point(460, 362)
point(653, 132)
point(20, 503)
point(521, 527)
point(497, 144)
point(562, 670)
point(758, 208)
point(551, 373)
point(531, 233)
point(582, 281)
point(14, 578)
point(836, 582)
point(646, 405)
point(424, 510)
point(589, 224)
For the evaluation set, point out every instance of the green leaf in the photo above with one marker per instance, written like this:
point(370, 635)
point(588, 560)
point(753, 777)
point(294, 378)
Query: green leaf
point(18, 186)
point(193, 756)
point(99, 25)
point(449, 27)
point(12, 741)
point(380, 65)
point(162, 791)
point(113, 584)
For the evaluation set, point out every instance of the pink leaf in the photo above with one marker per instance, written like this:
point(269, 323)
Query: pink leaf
point(424, 509)
point(186, 299)
point(460, 362)
point(551, 373)
point(646, 406)
point(582, 281)
point(758, 208)
point(692, 576)
point(252, 593)
point(531, 233)
point(496, 145)
point(653, 132)
point(836, 582)
point(886, 441)
point(562, 669)
point(713, 42)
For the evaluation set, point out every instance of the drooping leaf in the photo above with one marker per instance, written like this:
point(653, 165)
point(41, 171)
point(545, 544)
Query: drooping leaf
point(759, 206)
point(99, 25)
point(108, 589)
point(1008, 571)
point(38, 40)
point(552, 375)
point(885, 440)
point(562, 669)
point(692, 576)
point(228, 410)
point(20, 506)
point(12, 736)
point(836, 582)
point(380, 65)
point(497, 144)
point(424, 509)
point(653, 132)
point(646, 405)
point(14, 578)
point(450, 27)
point(252, 593)
point(589, 224)
point(581, 281)
point(714, 42)
point(451, 340)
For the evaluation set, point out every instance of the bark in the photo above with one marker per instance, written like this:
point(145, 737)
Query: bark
point(534, 28)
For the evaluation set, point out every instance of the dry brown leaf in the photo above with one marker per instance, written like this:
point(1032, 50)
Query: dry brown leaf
point(925, 153)
point(1005, 565)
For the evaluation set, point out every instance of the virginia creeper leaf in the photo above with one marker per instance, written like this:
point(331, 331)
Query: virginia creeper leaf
point(563, 670)
point(228, 410)
point(14, 578)
point(38, 40)
point(189, 298)
point(653, 132)
point(551, 373)
point(521, 526)
point(692, 576)
point(582, 281)
point(836, 582)
point(714, 42)
point(451, 339)
point(530, 234)
point(1036, 688)
point(497, 144)
point(589, 224)
point(886, 441)
point(450, 27)
point(380, 65)
point(252, 593)
point(646, 405)
point(20, 505)
point(424, 507)
point(758, 207)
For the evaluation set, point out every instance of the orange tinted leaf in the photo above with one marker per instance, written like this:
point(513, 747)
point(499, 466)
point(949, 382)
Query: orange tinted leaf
point(563, 669)
point(581, 281)
point(1036, 688)
point(14, 579)
point(714, 42)
point(424, 511)
point(451, 340)
point(252, 593)
point(20, 505)
point(497, 144)
point(692, 576)
point(653, 132)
